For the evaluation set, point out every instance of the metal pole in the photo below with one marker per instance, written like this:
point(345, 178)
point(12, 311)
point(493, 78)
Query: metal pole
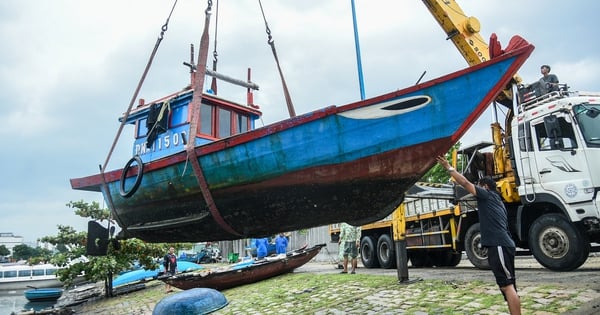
point(358, 59)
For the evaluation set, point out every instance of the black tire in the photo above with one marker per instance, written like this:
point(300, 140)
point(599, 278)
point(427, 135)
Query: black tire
point(476, 253)
point(454, 259)
point(386, 255)
point(368, 252)
point(138, 179)
point(446, 258)
point(557, 244)
point(420, 259)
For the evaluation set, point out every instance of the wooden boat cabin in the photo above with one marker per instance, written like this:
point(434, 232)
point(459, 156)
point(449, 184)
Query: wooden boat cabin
point(162, 127)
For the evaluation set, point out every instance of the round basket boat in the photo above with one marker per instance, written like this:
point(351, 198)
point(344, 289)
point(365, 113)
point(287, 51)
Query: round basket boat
point(192, 301)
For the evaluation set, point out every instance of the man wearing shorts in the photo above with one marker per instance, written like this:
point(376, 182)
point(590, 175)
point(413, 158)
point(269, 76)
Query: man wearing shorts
point(495, 235)
point(350, 237)
point(170, 264)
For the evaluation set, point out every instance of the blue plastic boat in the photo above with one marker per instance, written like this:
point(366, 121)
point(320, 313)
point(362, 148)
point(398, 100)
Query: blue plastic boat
point(46, 294)
point(141, 274)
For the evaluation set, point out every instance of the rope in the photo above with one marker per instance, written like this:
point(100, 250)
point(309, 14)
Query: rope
point(195, 110)
point(133, 98)
point(271, 42)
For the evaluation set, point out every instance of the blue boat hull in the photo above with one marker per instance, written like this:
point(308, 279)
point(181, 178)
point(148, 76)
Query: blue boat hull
point(340, 164)
point(141, 274)
point(36, 295)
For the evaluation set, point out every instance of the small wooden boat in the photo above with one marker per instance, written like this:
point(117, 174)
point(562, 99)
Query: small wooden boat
point(43, 294)
point(244, 272)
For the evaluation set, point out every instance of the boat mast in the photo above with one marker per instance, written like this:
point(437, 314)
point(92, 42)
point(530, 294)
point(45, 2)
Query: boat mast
point(358, 58)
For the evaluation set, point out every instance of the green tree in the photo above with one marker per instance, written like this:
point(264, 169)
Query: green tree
point(41, 255)
point(99, 268)
point(4, 251)
point(23, 252)
point(437, 174)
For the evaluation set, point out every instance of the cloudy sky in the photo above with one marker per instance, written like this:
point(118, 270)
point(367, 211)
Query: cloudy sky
point(69, 68)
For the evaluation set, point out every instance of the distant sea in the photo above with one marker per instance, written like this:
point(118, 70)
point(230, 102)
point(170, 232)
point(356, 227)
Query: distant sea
point(14, 302)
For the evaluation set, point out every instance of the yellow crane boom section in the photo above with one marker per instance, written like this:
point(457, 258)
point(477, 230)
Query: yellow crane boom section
point(461, 29)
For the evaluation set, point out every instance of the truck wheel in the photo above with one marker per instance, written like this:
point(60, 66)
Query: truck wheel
point(557, 244)
point(368, 252)
point(454, 259)
point(446, 258)
point(419, 258)
point(476, 253)
point(386, 255)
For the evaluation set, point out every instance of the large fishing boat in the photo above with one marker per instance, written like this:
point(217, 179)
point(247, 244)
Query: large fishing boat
point(199, 170)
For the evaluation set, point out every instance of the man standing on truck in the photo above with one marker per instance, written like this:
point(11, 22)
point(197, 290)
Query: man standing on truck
point(548, 81)
point(350, 237)
point(495, 235)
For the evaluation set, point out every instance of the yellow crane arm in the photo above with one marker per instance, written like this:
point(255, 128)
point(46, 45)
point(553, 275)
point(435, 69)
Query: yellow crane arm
point(464, 30)
point(461, 29)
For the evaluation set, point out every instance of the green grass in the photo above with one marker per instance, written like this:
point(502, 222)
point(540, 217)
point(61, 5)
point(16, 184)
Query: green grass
point(306, 293)
point(325, 293)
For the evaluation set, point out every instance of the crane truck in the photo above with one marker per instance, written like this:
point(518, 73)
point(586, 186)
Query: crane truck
point(545, 164)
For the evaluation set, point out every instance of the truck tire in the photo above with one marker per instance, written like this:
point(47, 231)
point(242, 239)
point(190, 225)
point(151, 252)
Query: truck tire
point(476, 253)
point(420, 259)
point(557, 244)
point(446, 258)
point(368, 252)
point(386, 255)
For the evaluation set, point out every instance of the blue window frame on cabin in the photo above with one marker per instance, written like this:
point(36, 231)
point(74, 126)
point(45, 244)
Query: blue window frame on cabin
point(142, 129)
point(179, 116)
point(38, 272)
point(10, 274)
point(50, 271)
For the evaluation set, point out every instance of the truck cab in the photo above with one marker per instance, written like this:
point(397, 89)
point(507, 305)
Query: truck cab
point(555, 154)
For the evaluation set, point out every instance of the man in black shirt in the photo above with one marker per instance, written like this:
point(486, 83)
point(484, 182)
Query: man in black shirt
point(170, 264)
point(495, 235)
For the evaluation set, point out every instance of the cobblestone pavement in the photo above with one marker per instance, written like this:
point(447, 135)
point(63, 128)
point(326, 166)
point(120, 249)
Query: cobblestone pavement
point(542, 287)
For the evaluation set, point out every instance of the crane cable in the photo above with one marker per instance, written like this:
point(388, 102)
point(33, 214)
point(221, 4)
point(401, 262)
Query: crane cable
point(213, 84)
point(271, 42)
point(133, 98)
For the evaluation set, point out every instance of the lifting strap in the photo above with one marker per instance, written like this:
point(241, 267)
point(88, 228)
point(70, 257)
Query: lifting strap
point(133, 98)
point(195, 117)
point(288, 98)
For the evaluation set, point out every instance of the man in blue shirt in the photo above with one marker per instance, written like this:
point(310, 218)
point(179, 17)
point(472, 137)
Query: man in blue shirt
point(281, 243)
point(495, 235)
point(261, 247)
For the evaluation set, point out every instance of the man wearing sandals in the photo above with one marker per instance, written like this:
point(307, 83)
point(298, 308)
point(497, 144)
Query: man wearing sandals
point(350, 237)
point(170, 264)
